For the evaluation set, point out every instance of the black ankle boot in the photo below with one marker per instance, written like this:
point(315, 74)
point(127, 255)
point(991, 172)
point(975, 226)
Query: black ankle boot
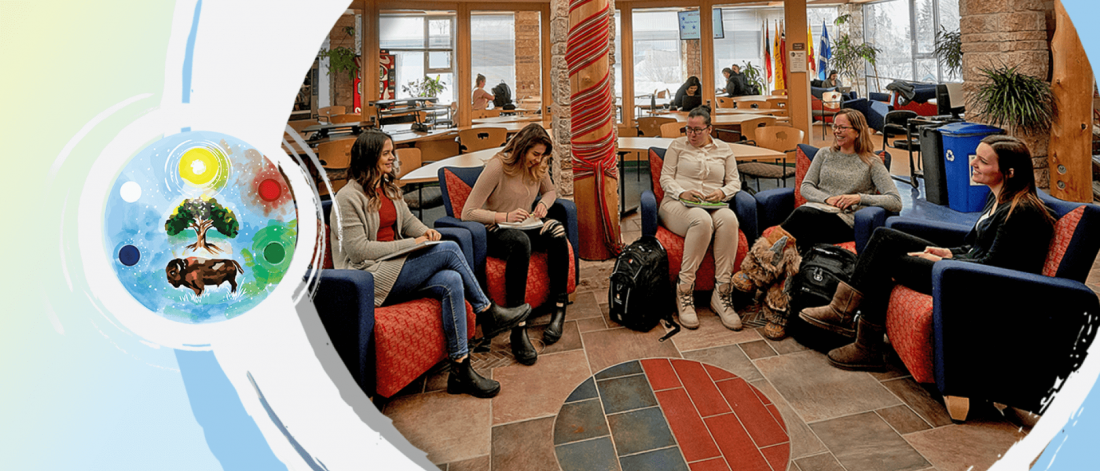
point(522, 349)
point(465, 380)
point(553, 331)
point(498, 319)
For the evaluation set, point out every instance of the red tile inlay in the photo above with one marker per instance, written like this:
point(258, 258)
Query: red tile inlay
point(778, 417)
point(716, 464)
point(735, 444)
point(761, 395)
point(660, 374)
point(756, 417)
point(778, 456)
point(700, 387)
point(718, 374)
point(688, 428)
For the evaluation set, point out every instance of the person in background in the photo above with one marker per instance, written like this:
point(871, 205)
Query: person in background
point(730, 88)
point(1013, 232)
point(504, 193)
point(740, 82)
point(691, 90)
point(376, 222)
point(833, 81)
point(481, 97)
point(698, 168)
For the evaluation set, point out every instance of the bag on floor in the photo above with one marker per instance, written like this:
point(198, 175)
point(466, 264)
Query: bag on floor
point(823, 267)
point(640, 294)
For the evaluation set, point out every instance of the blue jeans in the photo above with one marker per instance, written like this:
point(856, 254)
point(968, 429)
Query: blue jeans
point(441, 272)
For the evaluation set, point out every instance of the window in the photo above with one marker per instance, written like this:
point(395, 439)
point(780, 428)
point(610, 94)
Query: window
point(905, 32)
point(423, 43)
point(744, 41)
point(493, 49)
point(658, 52)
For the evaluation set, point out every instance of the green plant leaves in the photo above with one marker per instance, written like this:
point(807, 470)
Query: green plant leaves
point(1015, 101)
point(949, 49)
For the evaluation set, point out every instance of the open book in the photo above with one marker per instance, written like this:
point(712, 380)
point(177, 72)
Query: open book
point(529, 223)
point(704, 204)
point(407, 250)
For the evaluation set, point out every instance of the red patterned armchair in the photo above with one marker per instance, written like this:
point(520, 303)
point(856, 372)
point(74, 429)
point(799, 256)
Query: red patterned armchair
point(744, 206)
point(997, 334)
point(456, 184)
point(388, 347)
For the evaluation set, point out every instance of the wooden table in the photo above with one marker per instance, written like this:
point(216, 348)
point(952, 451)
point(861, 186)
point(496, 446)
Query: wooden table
point(724, 119)
point(512, 128)
point(507, 119)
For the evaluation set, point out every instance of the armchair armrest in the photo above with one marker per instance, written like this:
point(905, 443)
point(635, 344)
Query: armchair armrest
point(1005, 335)
point(867, 220)
point(464, 239)
point(648, 208)
point(565, 211)
point(345, 304)
point(744, 206)
point(944, 234)
point(773, 206)
point(477, 237)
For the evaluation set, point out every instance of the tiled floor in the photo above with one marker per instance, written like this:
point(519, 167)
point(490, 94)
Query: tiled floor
point(835, 419)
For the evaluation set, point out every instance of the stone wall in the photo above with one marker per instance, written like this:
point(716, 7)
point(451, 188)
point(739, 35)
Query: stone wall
point(528, 55)
point(342, 91)
point(1012, 33)
point(692, 62)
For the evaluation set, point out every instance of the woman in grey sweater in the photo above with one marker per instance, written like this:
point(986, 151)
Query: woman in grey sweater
point(374, 223)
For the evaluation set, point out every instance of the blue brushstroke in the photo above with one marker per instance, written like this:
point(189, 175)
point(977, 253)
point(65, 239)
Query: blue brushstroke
point(232, 435)
point(313, 463)
point(189, 55)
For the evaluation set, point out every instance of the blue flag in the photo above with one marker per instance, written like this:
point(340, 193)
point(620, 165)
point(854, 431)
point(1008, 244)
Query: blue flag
point(824, 53)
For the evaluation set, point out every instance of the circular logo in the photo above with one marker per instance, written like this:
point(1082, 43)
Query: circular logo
point(200, 227)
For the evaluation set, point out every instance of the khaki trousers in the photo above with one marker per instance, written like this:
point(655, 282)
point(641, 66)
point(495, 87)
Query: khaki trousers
point(697, 226)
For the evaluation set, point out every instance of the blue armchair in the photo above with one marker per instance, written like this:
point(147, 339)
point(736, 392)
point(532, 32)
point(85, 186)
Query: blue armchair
point(744, 206)
point(456, 184)
point(998, 334)
point(874, 111)
point(773, 206)
point(366, 337)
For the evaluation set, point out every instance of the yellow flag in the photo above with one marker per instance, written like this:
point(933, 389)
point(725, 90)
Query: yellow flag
point(780, 74)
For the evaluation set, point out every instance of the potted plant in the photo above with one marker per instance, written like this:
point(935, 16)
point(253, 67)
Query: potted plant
point(753, 76)
point(848, 58)
point(426, 87)
point(340, 58)
point(1014, 101)
point(949, 50)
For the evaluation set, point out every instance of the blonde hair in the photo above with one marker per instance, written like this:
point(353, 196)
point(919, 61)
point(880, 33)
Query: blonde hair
point(863, 145)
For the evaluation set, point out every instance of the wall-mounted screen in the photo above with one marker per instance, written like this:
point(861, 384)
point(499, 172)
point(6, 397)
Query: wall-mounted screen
point(689, 24)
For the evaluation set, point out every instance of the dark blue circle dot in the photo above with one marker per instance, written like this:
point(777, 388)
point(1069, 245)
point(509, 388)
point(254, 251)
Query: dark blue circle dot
point(129, 255)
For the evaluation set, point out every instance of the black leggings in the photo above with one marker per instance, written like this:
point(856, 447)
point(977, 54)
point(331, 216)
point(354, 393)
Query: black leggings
point(886, 261)
point(811, 226)
point(515, 247)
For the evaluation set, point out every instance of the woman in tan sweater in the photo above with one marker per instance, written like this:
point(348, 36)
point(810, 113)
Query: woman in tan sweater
point(373, 224)
point(503, 194)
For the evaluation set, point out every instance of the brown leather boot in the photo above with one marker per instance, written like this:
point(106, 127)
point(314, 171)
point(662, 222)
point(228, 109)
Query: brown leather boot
point(837, 315)
point(865, 354)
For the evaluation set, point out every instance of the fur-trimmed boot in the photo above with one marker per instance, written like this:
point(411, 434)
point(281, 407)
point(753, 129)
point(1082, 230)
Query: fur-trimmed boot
point(837, 316)
point(865, 354)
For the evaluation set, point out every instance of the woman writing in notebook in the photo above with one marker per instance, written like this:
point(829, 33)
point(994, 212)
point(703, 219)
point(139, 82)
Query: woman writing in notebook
point(372, 224)
point(504, 194)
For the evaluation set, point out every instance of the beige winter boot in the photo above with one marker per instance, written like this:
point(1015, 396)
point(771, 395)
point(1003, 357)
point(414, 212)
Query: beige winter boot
point(685, 305)
point(722, 304)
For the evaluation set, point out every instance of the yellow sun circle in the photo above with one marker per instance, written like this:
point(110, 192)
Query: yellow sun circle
point(199, 166)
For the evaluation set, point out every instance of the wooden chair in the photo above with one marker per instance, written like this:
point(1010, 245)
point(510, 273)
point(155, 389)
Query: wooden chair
point(325, 113)
point(478, 114)
point(650, 126)
point(298, 126)
point(335, 157)
point(778, 103)
point(672, 130)
point(778, 138)
point(425, 196)
point(741, 102)
point(472, 140)
point(781, 91)
point(627, 131)
point(438, 149)
point(747, 129)
point(345, 118)
point(725, 102)
point(830, 105)
point(764, 105)
point(663, 93)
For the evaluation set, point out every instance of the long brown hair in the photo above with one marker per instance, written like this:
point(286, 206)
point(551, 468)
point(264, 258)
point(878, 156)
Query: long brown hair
point(863, 145)
point(515, 152)
point(1014, 158)
point(364, 168)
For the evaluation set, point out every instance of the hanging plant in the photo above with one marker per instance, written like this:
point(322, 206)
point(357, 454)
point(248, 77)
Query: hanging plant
point(428, 87)
point(340, 58)
point(949, 50)
point(1014, 101)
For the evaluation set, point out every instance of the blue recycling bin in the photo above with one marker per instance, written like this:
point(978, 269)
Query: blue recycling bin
point(960, 141)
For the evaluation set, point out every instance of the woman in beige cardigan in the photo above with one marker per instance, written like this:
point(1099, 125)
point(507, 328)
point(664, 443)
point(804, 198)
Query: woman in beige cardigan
point(503, 194)
point(372, 224)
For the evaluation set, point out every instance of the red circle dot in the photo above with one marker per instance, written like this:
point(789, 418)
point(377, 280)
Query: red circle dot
point(270, 190)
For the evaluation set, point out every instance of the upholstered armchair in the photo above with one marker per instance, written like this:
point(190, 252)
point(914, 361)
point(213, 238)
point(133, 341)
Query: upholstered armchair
point(996, 334)
point(388, 347)
point(743, 205)
point(773, 206)
point(456, 184)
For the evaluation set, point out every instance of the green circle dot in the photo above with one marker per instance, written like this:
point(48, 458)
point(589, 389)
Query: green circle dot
point(274, 253)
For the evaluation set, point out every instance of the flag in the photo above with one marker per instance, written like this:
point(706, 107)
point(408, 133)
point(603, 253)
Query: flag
point(780, 83)
point(783, 52)
point(811, 59)
point(767, 55)
point(824, 53)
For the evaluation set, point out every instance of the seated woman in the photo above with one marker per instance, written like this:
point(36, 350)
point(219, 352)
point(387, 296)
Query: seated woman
point(833, 81)
point(697, 169)
point(689, 95)
point(481, 98)
point(503, 194)
point(376, 223)
point(1013, 232)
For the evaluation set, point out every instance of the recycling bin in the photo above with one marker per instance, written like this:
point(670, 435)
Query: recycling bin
point(931, 151)
point(960, 142)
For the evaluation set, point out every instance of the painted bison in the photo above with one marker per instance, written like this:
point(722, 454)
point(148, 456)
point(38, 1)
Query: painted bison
point(196, 273)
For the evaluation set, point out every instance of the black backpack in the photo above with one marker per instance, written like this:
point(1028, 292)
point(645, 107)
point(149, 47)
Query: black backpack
point(823, 267)
point(502, 97)
point(640, 294)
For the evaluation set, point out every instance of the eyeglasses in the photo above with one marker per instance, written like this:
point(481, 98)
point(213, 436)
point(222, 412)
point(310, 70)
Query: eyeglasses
point(841, 128)
point(691, 130)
